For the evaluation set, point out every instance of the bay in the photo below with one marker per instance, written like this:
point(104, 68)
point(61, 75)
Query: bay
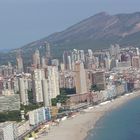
point(122, 123)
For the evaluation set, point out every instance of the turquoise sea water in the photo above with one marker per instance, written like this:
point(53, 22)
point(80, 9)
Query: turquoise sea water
point(122, 123)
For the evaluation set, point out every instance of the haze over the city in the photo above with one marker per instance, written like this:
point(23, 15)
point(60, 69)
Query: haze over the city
point(25, 21)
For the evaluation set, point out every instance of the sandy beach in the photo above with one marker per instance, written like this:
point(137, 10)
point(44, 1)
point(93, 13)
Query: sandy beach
point(77, 128)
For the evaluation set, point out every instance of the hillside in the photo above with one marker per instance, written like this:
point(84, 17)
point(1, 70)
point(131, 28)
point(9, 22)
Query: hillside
point(98, 31)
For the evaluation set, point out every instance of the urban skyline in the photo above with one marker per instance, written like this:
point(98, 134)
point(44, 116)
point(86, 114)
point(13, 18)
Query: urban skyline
point(43, 87)
point(78, 77)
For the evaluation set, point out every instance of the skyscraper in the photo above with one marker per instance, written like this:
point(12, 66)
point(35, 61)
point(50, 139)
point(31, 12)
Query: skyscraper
point(23, 90)
point(137, 51)
point(80, 78)
point(46, 93)
point(50, 85)
point(53, 80)
point(48, 53)
point(37, 77)
point(43, 62)
point(48, 50)
point(82, 55)
point(112, 48)
point(36, 59)
point(19, 63)
point(67, 60)
point(90, 53)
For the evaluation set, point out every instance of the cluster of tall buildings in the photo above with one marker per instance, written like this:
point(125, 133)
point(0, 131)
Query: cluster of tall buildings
point(83, 68)
point(97, 76)
point(45, 84)
point(103, 59)
point(78, 69)
point(41, 80)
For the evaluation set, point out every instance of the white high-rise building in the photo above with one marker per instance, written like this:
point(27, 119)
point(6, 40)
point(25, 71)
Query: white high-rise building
point(53, 80)
point(48, 50)
point(23, 90)
point(69, 63)
point(82, 55)
point(50, 85)
point(112, 48)
point(107, 63)
point(46, 84)
point(90, 53)
point(38, 76)
point(137, 51)
point(80, 78)
point(36, 59)
point(19, 64)
point(43, 62)
point(117, 49)
point(46, 93)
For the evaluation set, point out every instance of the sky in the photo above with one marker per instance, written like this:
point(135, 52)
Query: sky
point(24, 21)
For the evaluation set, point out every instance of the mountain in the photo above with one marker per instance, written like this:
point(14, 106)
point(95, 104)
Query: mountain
point(95, 32)
point(100, 31)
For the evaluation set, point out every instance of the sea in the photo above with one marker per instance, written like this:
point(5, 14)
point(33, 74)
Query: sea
point(122, 123)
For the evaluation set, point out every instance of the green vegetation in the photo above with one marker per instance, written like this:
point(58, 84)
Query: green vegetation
point(68, 90)
point(62, 98)
point(17, 92)
point(30, 96)
point(30, 107)
point(94, 87)
point(10, 116)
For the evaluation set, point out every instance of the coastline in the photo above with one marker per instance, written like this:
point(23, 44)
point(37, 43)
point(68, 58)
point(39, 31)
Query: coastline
point(78, 127)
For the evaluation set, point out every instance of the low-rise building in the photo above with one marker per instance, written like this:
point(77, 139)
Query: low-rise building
point(6, 131)
point(9, 103)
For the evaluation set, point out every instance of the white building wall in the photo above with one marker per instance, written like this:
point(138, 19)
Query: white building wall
point(38, 75)
point(53, 79)
point(46, 93)
point(83, 79)
point(23, 89)
point(8, 130)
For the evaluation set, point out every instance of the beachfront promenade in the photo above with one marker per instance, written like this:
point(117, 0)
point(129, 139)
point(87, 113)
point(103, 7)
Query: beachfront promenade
point(77, 127)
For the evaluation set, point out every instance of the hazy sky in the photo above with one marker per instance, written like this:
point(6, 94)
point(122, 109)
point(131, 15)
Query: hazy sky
point(23, 21)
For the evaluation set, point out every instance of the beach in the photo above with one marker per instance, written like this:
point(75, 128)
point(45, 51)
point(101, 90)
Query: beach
point(77, 127)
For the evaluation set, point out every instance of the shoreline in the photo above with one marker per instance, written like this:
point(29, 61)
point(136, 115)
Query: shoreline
point(78, 127)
